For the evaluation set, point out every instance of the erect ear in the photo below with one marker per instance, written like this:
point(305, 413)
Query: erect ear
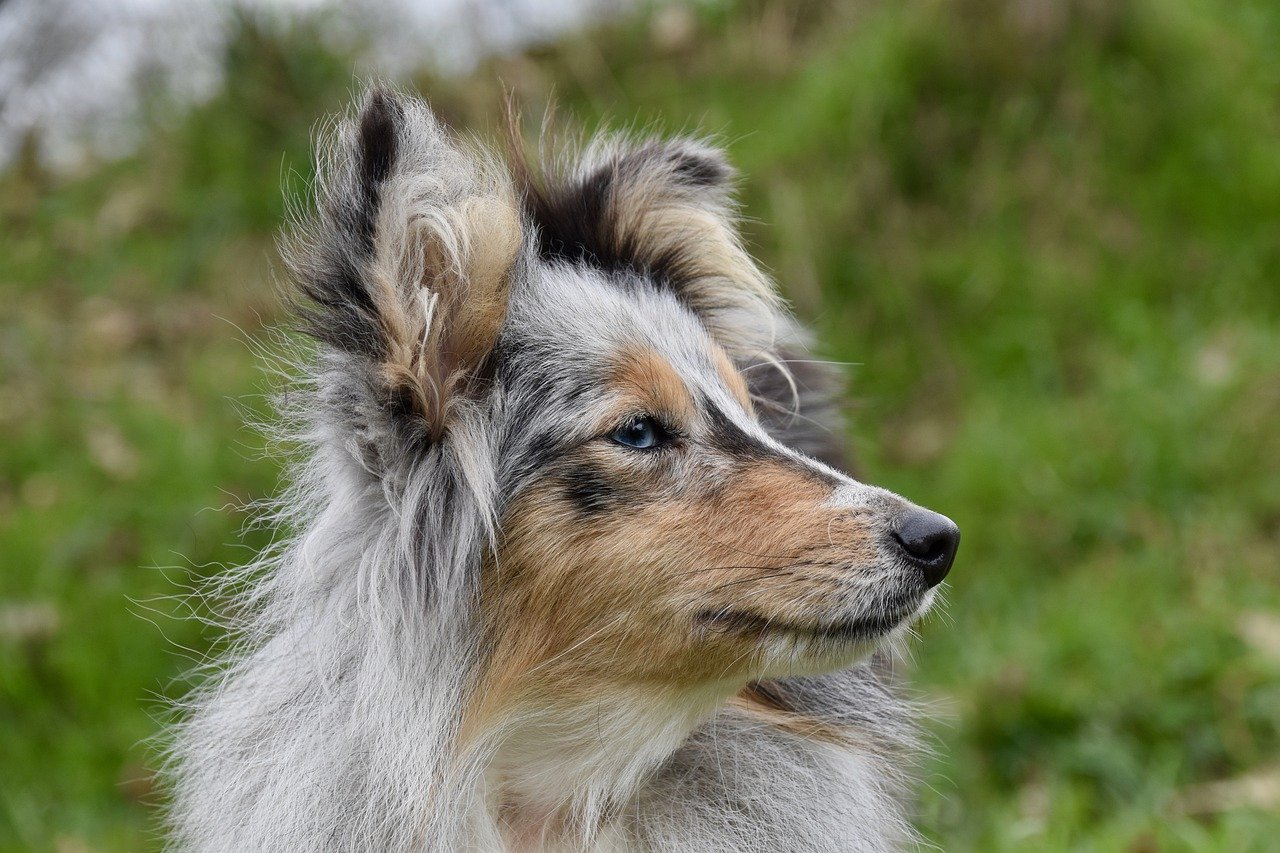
point(406, 264)
point(663, 208)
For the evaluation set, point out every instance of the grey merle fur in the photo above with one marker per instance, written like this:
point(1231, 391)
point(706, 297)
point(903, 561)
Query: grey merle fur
point(330, 725)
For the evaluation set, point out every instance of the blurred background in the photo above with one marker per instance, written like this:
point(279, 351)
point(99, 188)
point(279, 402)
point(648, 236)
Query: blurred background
point(1043, 234)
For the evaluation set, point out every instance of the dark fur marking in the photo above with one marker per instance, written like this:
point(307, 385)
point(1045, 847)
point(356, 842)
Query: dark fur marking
point(541, 451)
point(770, 694)
point(379, 138)
point(529, 460)
point(378, 131)
point(732, 440)
point(401, 405)
point(574, 218)
point(575, 225)
point(828, 697)
point(591, 491)
point(342, 313)
point(700, 170)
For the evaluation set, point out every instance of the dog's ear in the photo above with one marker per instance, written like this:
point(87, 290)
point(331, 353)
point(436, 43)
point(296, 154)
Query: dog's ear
point(663, 208)
point(405, 266)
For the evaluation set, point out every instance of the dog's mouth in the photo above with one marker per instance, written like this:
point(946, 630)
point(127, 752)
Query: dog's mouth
point(863, 629)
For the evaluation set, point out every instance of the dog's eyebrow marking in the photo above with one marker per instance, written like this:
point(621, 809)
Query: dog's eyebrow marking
point(642, 373)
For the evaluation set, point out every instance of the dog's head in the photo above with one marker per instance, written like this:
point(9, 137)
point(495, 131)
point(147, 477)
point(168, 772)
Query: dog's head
point(597, 351)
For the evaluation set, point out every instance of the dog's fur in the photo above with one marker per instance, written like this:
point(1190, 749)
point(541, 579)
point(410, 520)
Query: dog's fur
point(494, 628)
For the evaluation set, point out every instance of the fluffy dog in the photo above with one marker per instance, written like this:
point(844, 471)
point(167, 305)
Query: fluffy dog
point(571, 561)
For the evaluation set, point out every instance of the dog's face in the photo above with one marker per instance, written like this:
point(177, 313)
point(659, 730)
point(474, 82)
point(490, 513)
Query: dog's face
point(602, 349)
point(658, 535)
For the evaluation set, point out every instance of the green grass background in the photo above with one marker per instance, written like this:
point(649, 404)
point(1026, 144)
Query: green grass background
point(1045, 236)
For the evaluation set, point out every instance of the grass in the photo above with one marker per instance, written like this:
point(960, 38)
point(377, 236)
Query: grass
point(1043, 235)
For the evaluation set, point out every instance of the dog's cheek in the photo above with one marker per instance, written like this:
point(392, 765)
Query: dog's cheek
point(603, 573)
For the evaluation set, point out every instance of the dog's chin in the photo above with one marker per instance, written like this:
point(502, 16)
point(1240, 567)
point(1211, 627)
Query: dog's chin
point(813, 646)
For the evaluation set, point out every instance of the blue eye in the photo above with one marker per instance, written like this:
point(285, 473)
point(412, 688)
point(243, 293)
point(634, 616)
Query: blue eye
point(641, 433)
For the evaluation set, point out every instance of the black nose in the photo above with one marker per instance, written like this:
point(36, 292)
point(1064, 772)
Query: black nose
point(929, 541)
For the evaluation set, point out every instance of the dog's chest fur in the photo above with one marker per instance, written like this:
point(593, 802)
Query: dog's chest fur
point(824, 774)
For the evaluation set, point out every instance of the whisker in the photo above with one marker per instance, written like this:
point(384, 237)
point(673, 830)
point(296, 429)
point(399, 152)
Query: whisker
point(803, 361)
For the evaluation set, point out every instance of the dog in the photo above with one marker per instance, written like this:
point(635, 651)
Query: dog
point(570, 561)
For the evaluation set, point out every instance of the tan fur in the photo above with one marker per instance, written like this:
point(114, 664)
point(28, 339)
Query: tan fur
point(444, 322)
point(658, 217)
point(573, 605)
point(649, 380)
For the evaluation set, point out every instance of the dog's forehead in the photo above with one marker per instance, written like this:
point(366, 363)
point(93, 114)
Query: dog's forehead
point(587, 319)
